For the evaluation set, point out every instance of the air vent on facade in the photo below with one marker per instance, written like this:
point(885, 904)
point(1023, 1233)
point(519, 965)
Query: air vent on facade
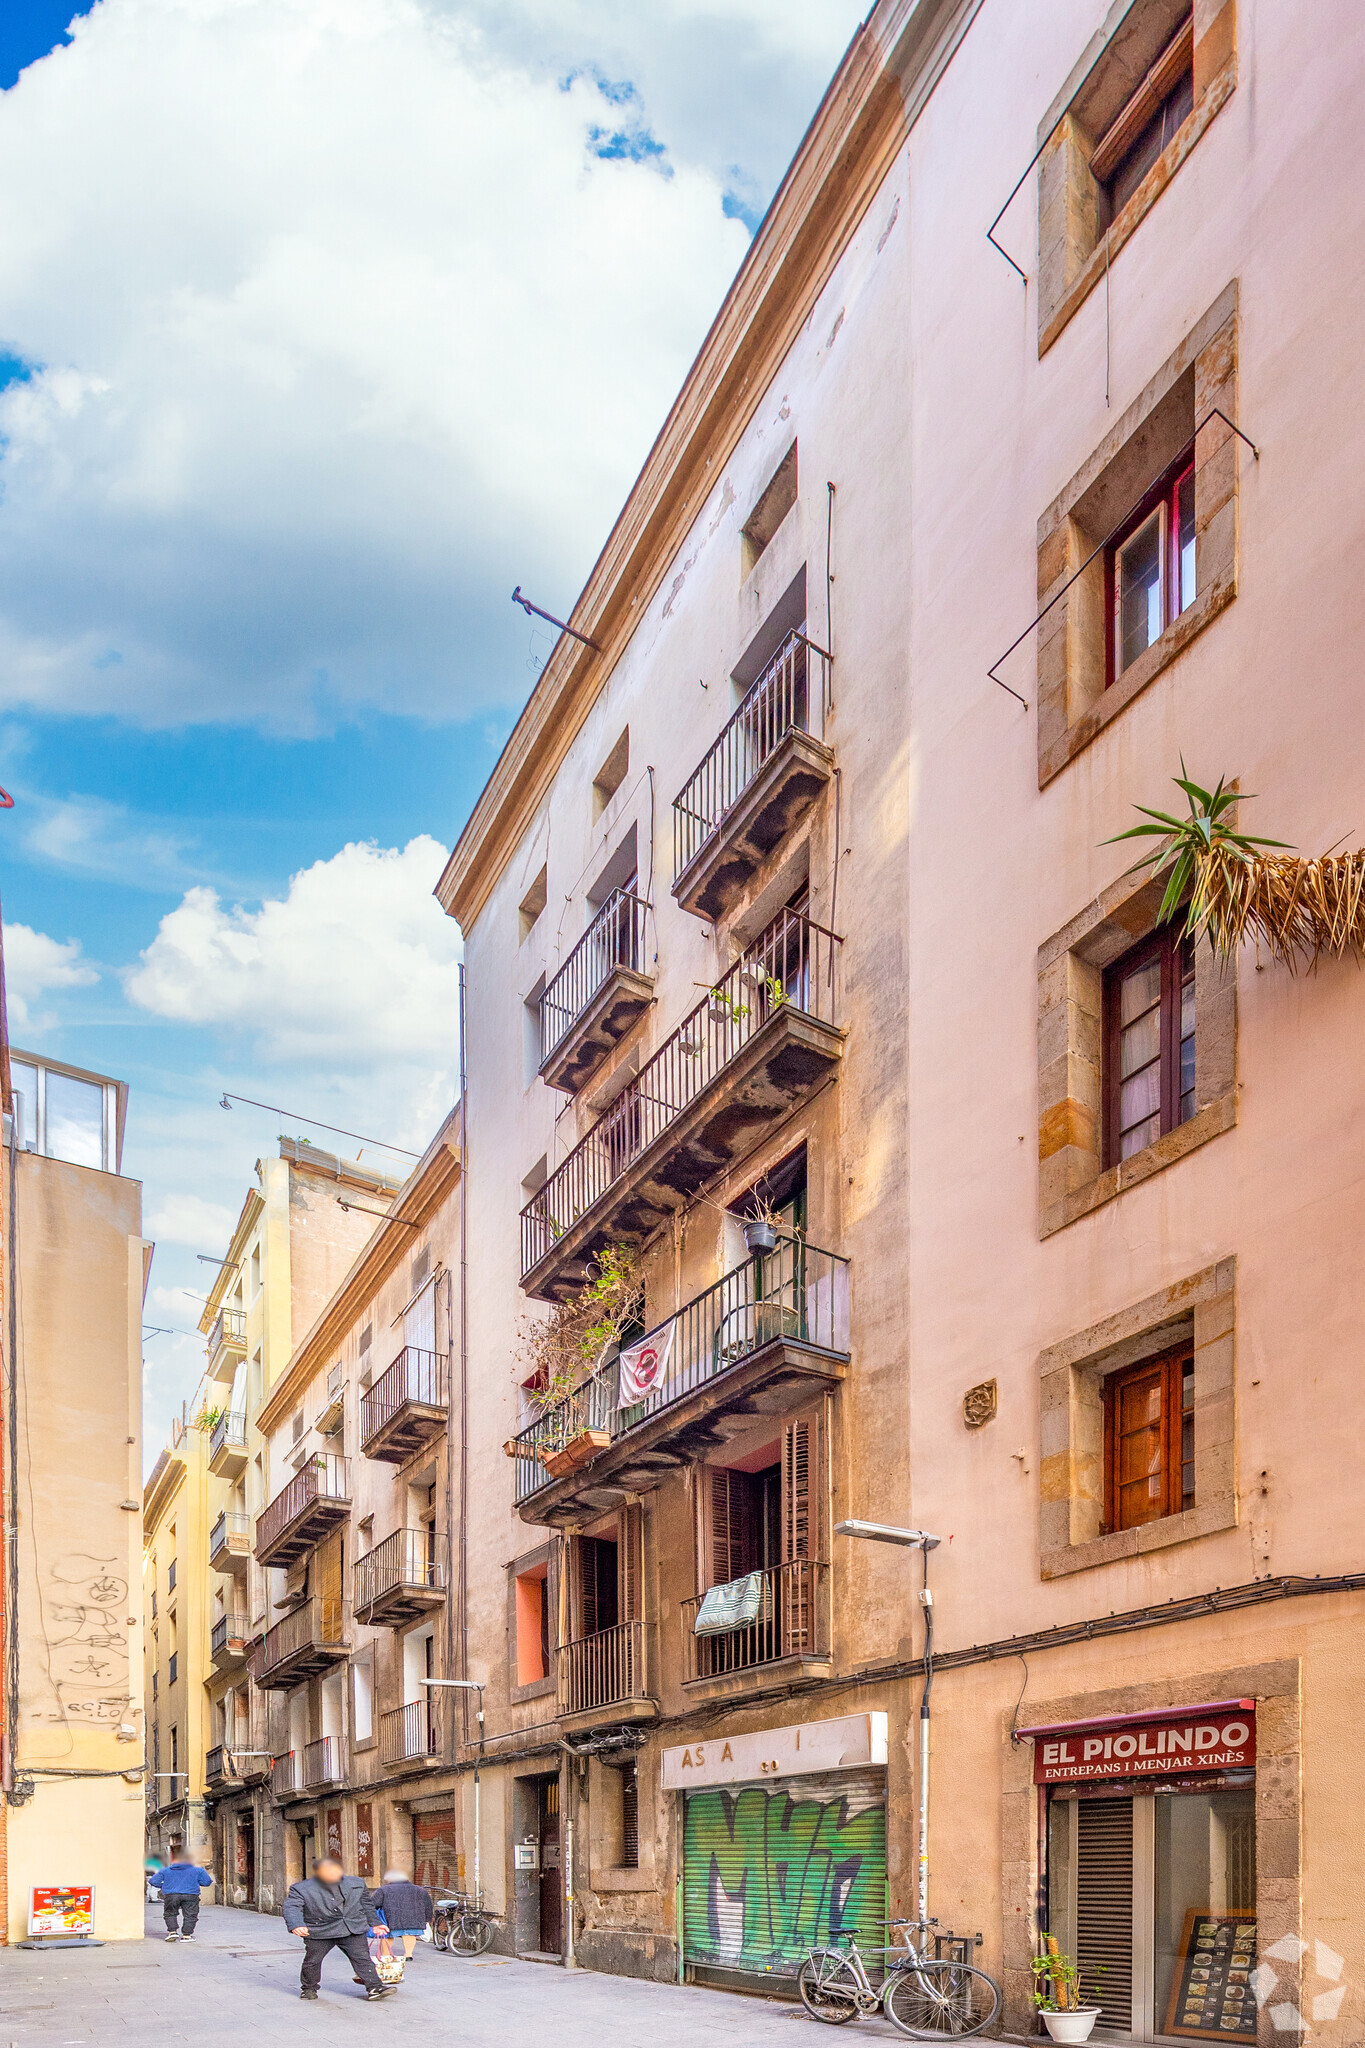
point(367, 1336)
point(298, 1425)
point(421, 1266)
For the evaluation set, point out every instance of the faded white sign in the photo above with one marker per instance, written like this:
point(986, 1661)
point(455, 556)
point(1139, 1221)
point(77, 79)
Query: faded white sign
point(838, 1745)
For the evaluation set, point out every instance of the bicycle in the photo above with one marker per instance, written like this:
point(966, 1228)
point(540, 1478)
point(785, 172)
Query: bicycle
point(928, 1997)
point(462, 1927)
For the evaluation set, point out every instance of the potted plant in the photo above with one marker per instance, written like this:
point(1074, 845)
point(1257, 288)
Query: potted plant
point(1057, 1995)
point(760, 1232)
point(569, 1349)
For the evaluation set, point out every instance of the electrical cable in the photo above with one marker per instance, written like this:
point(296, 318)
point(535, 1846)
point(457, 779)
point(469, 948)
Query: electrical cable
point(1015, 1737)
point(226, 1100)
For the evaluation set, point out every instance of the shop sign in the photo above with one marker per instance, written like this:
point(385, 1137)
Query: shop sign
point(61, 1909)
point(845, 1744)
point(1220, 1740)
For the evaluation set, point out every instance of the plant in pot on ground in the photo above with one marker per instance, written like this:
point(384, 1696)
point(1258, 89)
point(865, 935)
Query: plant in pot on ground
point(570, 1348)
point(1058, 1996)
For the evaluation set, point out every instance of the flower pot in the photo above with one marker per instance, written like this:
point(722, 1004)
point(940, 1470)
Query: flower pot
point(1072, 2026)
point(583, 1447)
point(558, 1463)
point(759, 1234)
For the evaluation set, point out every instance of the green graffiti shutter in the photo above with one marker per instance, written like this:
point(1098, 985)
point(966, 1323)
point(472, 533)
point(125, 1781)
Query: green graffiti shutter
point(771, 1870)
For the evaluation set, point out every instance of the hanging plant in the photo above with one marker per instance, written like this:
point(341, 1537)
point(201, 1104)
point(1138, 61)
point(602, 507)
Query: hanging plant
point(574, 1341)
point(1231, 889)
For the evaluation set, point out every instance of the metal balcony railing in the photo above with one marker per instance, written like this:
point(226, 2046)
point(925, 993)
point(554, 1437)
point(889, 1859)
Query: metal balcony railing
point(228, 1429)
point(790, 966)
point(790, 1622)
point(603, 1670)
point(286, 1778)
point(228, 1330)
point(777, 703)
point(218, 1764)
point(317, 1624)
point(795, 1291)
point(225, 1526)
point(409, 1733)
point(419, 1376)
point(615, 938)
point(229, 1628)
point(410, 1557)
point(322, 1761)
point(324, 1477)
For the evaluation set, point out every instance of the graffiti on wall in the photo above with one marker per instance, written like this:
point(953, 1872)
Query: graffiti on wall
point(770, 1875)
point(85, 1618)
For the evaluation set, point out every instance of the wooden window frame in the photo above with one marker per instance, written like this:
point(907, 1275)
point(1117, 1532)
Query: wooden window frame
point(1164, 499)
point(1162, 82)
point(1168, 943)
point(1176, 1368)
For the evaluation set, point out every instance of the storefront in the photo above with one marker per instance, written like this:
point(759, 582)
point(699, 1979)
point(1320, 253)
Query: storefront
point(1147, 1833)
point(784, 1843)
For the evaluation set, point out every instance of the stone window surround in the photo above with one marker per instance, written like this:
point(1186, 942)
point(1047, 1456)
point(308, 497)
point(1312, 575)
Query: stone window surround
point(1200, 1310)
point(1073, 1180)
point(1073, 250)
point(1276, 1688)
point(604, 1877)
point(1196, 381)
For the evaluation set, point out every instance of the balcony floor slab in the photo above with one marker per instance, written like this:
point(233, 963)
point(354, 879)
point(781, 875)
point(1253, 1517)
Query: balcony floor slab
point(754, 827)
point(613, 1010)
point(620, 1714)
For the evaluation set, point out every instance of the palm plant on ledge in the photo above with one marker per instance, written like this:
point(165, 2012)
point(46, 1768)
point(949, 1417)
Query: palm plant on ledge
point(1231, 888)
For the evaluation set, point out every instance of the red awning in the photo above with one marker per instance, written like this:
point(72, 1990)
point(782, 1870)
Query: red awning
point(1150, 1714)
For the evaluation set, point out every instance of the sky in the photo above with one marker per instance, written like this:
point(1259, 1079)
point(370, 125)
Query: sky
point(322, 324)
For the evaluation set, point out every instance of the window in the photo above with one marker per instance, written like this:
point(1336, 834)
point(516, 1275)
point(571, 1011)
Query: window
point(611, 774)
point(255, 1270)
point(771, 509)
point(64, 1114)
point(630, 1817)
point(362, 1699)
point(1165, 99)
point(173, 1668)
point(156, 1683)
point(1149, 1441)
point(533, 1625)
point(153, 1603)
point(1151, 569)
point(533, 902)
point(170, 1576)
point(175, 1753)
point(1149, 1034)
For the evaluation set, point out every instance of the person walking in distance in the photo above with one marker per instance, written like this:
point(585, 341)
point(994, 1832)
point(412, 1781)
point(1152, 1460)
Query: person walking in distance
point(331, 1910)
point(179, 1883)
point(405, 1909)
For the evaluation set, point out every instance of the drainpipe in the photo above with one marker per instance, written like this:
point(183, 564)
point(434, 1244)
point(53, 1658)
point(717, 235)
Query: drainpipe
point(570, 1960)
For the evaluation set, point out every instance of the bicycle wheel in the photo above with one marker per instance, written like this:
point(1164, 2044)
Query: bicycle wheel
point(941, 2000)
point(440, 1932)
point(828, 1988)
point(471, 1934)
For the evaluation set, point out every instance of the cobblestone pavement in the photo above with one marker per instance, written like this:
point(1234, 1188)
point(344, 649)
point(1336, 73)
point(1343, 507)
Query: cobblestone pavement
point(238, 1984)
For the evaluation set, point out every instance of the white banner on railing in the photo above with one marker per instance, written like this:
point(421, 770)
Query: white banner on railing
point(643, 1367)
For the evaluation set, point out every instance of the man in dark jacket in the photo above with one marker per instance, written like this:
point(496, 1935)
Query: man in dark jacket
point(179, 1884)
point(331, 1910)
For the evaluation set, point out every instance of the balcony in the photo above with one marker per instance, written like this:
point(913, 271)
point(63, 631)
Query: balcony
point(790, 1629)
point(230, 1543)
point(227, 1343)
point(316, 1501)
point(400, 1579)
point(227, 1447)
point(228, 1641)
point(603, 988)
point(602, 1677)
point(411, 1734)
point(407, 1407)
point(762, 1341)
point(220, 1771)
point(758, 781)
point(286, 1779)
point(322, 1764)
point(309, 1641)
point(758, 1043)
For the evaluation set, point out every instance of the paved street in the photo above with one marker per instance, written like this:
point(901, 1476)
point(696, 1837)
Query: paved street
point(238, 1984)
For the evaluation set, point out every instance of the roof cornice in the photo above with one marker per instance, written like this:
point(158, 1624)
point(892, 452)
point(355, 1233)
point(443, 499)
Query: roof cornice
point(164, 1481)
point(888, 72)
point(246, 1223)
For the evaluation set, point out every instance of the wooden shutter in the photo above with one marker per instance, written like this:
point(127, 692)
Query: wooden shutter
point(731, 1536)
point(327, 1582)
point(630, 1564)
point(796, 1588)
point(1104, 1907)
point(798, 1444)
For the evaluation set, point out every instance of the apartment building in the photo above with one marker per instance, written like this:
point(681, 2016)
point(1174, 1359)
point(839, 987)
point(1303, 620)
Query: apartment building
point(968, 1199)
point(301, 1224)
point(75, 1268)
point(354, 1553)
point(177, 1594)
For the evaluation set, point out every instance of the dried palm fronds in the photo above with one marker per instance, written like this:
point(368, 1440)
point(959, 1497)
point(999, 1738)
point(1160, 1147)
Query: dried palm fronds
point(1230, 890)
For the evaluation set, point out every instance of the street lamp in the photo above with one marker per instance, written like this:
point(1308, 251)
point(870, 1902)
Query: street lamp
point(921, 1540)
point(469, 1685)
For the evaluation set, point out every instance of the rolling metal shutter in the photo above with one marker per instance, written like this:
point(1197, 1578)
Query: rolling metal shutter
point(772, 1870)
point(1104, 1907)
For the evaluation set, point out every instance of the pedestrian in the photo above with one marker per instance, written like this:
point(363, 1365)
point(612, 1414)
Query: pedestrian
point(180, 1883)
point(331, 1910)
point(405, 1909)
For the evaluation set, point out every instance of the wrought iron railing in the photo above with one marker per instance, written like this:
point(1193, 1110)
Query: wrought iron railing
point(407, 1733)
point(218, 1764)
point(603, 1670)
point(286, 1777)
point(229, 1328)
point(324, 1477)
point(317, 1624)
point(229, 1628)
point(410, 1557)
point(420, 1376)
point(794, 1291)
point(228, 1429)
point(615, 938)
point(227, 1525)
point(790, 1622)
point(790, 966)
point(322, 1761)
point(778, 703)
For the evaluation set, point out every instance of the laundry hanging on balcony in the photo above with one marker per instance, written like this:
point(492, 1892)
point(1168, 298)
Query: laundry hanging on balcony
point(643, 1366)
point(732, 1606)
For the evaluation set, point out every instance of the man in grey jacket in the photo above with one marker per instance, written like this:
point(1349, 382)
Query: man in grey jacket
point(331, 1910)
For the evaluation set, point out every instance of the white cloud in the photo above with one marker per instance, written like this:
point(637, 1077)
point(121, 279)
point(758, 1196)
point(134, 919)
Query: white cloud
point(187, 1218)
point(344, 324)
point(357, 964)
point(34, 964)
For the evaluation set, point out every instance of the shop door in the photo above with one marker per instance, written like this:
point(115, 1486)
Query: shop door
point(551, 1874)
point(433, 1851)
point(771, 1870)
point(246, 1858)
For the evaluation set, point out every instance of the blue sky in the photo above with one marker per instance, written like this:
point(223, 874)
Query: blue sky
point(321, 325)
